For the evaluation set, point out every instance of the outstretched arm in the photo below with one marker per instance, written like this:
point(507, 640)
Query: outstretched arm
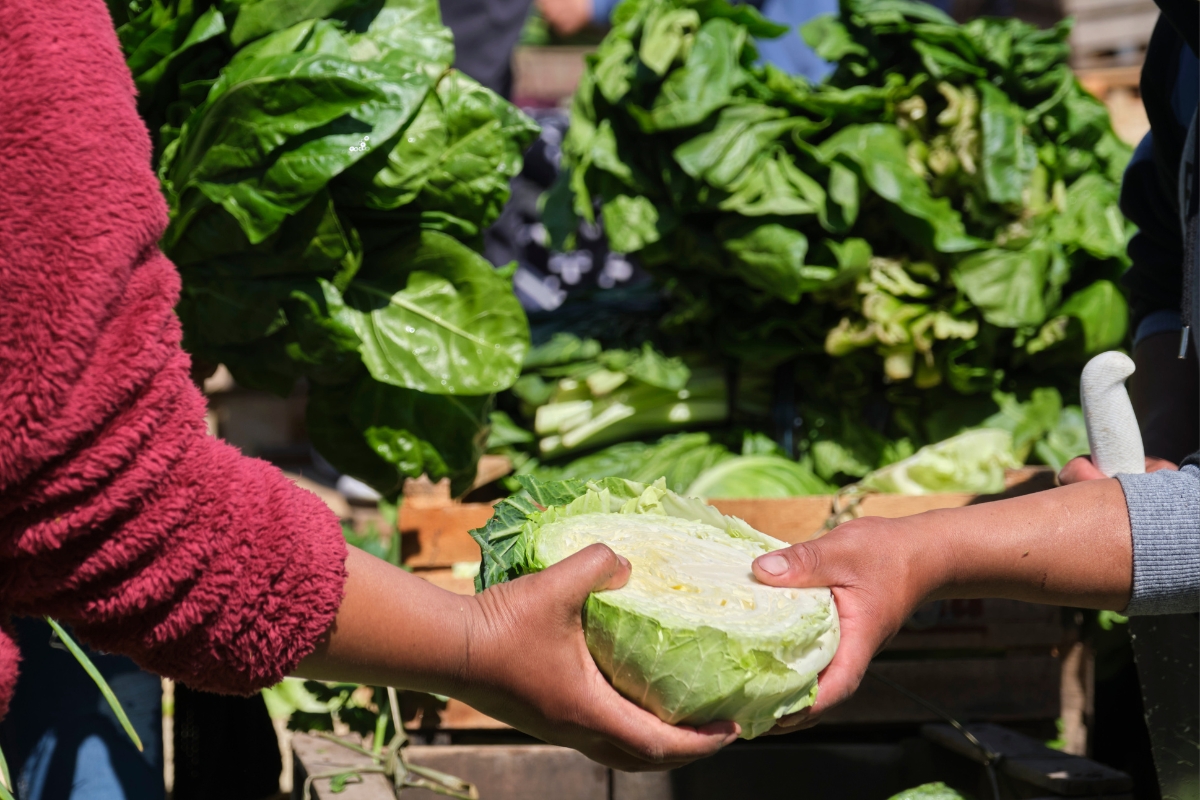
point(1067, 546)
point(515, 652)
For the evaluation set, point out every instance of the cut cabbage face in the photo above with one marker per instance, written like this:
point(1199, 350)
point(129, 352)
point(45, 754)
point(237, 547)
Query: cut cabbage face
point(692, 636)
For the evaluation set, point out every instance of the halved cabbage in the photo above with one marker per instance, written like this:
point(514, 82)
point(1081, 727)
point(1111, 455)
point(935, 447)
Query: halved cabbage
point(692, 636)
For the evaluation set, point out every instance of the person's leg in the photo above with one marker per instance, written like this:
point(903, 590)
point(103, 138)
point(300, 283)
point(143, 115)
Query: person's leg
point(62, 740)
point(93, 761)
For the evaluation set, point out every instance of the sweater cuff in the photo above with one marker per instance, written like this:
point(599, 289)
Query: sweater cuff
point(1164, 515)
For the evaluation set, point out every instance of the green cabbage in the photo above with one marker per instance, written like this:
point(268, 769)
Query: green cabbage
point(973, 461)
point(692, 636)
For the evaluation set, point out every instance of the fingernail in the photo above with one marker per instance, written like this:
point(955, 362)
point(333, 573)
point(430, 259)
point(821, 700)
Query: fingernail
point(624, 561)
point(773, 564)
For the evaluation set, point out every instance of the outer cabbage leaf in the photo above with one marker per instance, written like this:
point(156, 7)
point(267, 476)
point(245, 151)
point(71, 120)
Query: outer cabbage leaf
point(452, 327)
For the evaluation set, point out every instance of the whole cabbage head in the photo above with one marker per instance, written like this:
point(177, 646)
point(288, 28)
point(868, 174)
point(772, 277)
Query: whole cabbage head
point(693, 637)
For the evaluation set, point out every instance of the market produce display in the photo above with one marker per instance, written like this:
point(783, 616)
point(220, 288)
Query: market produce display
point(329, 177)
point(924, 241)
point(692, 636)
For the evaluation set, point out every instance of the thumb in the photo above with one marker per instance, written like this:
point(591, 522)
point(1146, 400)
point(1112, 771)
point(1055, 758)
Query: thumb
point(593, 569)
point(799, 566)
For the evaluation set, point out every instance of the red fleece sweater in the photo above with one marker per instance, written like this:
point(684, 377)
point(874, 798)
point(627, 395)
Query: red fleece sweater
point(118, 514)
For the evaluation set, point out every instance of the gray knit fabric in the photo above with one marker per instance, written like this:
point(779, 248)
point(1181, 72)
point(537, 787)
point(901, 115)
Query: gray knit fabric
point(1164, 512)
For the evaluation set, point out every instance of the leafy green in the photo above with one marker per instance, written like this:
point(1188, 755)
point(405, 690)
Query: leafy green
point(329, 177)
point(972, 462)
point(693, 465)
point(580, 397)
point(692, 636)
point(935, 223)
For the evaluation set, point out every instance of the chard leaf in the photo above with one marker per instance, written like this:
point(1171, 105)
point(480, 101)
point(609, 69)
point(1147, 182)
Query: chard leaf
point(452, 327)
point(829, 38)
point(1007, 158)
point(1007, 286)
point(879, 153)
point(384, 434)
point(666, 36)
point(741, 133)
point(771, 258)
point(1092, 220)
point(704, 83)
point(633, 222)
point(1103, 315)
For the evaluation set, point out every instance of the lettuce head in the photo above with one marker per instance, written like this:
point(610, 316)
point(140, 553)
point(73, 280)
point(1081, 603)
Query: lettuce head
point(693, 637)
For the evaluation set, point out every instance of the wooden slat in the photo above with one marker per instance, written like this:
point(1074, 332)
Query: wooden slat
point(438, 536)
point(789, 519)
point(514, 772)
point(1083, 9)
point(1004, 689)
point(1100, 80)
point(1001, 689)
point(981, 625)
point(312, 756)
point(1114, 32)
point(1030, 761)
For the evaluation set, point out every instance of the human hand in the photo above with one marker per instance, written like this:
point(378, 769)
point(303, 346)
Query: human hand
point(1082, 468)
point(878, 579)
point(566, 16)
point(528, 665)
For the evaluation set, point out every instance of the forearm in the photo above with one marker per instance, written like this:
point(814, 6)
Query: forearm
point(394, 629)
point(1068, 546)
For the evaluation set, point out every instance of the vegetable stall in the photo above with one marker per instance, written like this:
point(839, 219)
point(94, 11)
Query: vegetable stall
point(879, 286)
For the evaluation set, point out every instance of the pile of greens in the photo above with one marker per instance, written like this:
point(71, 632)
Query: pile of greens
point(329, 176)
point(694, 465)
point(931, 233)
point(580, 396)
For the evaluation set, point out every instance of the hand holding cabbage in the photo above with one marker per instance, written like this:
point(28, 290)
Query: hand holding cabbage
point(515, 652)
point(1069, 546)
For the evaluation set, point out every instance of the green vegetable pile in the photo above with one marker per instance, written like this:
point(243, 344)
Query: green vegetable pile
point(329, 176)
point(581, 396)
point(692, 636)
point(923, 240)
point(693, 465)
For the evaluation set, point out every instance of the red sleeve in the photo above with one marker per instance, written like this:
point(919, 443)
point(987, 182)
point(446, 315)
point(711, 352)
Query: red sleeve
point(118, 514)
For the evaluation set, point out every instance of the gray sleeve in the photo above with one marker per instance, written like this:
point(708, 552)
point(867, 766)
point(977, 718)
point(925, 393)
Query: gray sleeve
point(1164, 513)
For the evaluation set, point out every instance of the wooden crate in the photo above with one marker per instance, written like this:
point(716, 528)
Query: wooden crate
point(995, 660)
point(770, 767)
